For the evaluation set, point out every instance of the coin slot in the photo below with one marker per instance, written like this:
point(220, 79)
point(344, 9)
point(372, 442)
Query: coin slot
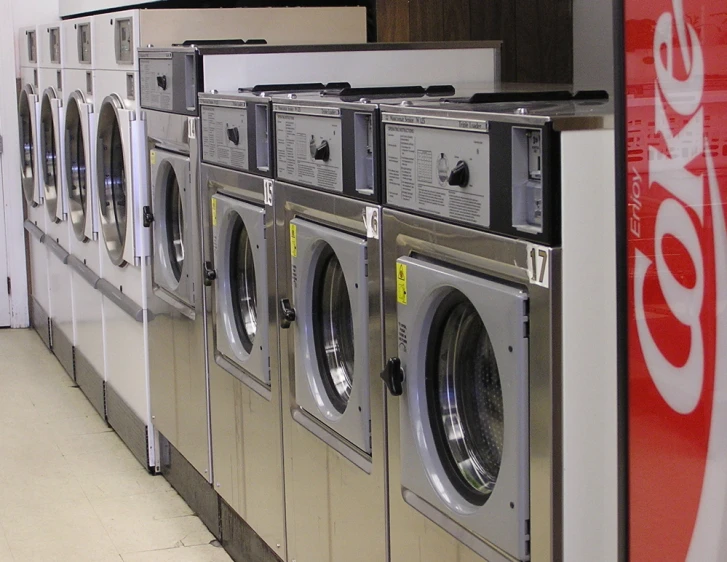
point(123, 34)
point(363, 127)
point(83, 36)
point(527, 180)
point(55, 45)
point(262, 137)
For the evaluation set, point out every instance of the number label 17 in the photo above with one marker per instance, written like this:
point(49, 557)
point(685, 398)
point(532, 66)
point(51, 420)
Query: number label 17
point(539, 265)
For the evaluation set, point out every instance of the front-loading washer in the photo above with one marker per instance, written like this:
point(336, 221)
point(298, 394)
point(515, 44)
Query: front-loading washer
point(79, 167)
point(35, 215)
point(52, 176)
point(170, 79)
point(493, 454)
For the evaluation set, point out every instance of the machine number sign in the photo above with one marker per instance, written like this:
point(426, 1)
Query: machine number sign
point(538, 265)
point(268, 192)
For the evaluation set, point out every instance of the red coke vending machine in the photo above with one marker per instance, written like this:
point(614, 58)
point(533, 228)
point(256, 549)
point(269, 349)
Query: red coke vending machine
point(675, 286)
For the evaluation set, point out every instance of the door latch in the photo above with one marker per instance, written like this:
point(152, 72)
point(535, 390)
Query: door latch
point(148, 216)
point(288, 314)
point(209, 274)
point(393, 376)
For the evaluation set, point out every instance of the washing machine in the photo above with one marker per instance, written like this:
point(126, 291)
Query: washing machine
point(328, 214)
point(35, 215)
point(498, 258)
point(52, 157)
point(170, 79)
point(84, 250)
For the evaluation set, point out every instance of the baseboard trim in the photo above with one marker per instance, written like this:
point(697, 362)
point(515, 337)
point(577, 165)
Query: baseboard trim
point(240, 541)
point(40, 322)
point(91, 383)
point(132, 430)
point(63, 350)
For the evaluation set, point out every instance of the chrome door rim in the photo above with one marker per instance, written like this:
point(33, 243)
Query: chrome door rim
point(27, 146)
point(76, 171)
point(111, 179)
point(49, 155)
point(242, 282)
point(464, 398)
point(333, 336)
point(173, 223)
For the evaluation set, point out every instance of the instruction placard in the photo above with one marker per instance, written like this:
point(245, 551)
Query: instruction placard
point(401, 296)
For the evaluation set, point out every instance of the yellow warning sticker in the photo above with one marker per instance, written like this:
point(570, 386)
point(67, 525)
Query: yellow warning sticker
point(214, 212)
point(401, 283)
point(293, 241)
point(153, 157)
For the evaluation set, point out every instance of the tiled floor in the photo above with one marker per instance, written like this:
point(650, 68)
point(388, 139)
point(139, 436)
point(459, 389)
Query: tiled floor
point(70, 491)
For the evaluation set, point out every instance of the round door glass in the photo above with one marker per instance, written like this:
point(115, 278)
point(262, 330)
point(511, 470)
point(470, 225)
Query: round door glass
point(174, 224)
point(76, 168)
point(111, 183)
point(464, 398)
point(242, 283)
point(27, 147)
point(48, 156)
point(333, 329)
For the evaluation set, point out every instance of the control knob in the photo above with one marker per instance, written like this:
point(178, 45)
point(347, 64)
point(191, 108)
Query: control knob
point(323, 152)
point(233, 134)
point(460, 175)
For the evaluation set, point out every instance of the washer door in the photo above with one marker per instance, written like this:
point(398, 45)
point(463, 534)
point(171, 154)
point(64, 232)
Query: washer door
point(77, 164)
point(464, 411)
point(26, 122)
point(330, 294)
point(172, 202)
point(242, 290)
point(114, 180)
point(49, 156)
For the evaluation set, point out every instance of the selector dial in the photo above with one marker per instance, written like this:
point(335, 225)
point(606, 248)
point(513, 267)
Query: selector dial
point(233, 134)
point(460, 175)
point(162, 82)
point(323, 152)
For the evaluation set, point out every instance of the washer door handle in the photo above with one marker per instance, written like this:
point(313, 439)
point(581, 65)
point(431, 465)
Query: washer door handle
point(393, 376)
point(209, 274)
point(148, 216)
point(288, 314)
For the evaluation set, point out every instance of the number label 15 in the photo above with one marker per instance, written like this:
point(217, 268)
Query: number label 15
point(538, 265)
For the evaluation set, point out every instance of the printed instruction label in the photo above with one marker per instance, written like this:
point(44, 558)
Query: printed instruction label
point(224, 137)
point(293, 241)
point(153, 71)
point(401, 296)
point(299, 137)
point(419, 166)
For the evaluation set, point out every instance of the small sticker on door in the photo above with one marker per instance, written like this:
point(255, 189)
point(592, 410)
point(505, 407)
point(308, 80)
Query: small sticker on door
point(153, 157)
point(293, 241)
point(401, 283)
point(214, 212)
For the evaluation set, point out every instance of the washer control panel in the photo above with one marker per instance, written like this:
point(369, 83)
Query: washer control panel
point(169, 81)
point(439, 171)
point(225, 136)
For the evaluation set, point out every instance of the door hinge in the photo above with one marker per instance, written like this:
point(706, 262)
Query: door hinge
point(8, 285)
point(1, 144)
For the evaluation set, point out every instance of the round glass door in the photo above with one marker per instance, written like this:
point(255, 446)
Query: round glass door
point(333, 329)
point(464, 398)
point(242, 283)
point(174, 222)
point(112, 186)
point(27, 147)
point(76, 168)
point(48, 157)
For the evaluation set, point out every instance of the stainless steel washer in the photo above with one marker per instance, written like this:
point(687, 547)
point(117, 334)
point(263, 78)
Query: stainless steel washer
point(481, 255)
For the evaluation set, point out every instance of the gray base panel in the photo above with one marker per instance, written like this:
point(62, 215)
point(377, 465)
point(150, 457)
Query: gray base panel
point(40, 321)
point(128, 426)
point(63, 350)
point(91, 383)
point(240, 541)
point(191, 485)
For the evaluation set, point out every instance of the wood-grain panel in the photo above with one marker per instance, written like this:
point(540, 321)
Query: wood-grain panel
point(392, 21)
point(496, 19)
point(425, 20)
point(544, 41)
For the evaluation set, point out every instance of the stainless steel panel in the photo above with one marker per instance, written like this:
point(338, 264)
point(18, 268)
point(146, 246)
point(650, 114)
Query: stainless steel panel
point(335, 511)
point(245, 423)
point(508, 260)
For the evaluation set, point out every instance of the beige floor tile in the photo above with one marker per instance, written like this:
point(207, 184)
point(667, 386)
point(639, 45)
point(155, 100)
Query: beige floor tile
point(100, 443)
point(106, 485)
point(5, 553)
point(131, 534)
point(28, 489)
point(55, 551)
point(159, 505)
point(84, 424)
point(204, 553)
point(93, 463)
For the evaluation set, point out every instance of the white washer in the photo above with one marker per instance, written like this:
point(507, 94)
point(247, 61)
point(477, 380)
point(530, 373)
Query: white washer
point(79, 166)
point(36, 223)
point(58, 233)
